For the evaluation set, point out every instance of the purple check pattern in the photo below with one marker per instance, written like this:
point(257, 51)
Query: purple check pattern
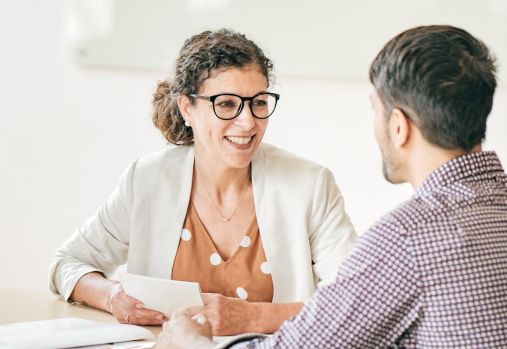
point(430, 274)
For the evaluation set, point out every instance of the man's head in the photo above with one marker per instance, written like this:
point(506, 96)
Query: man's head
point(437, 80)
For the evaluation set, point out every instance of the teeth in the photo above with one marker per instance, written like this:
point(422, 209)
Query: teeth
point(239, 140)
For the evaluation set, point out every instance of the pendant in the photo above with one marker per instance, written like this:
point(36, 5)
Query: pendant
point(225, 219)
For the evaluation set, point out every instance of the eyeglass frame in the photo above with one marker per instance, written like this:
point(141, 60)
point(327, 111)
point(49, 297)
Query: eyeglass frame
point(243, 99)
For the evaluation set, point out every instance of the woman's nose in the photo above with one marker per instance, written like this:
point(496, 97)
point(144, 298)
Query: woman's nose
point(245, 118)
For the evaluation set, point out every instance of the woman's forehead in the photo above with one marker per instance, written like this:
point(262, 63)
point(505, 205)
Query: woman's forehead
point(252, 75)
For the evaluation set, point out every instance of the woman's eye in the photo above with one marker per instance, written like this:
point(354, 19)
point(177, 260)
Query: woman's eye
point(259, 103)
point(226, 104)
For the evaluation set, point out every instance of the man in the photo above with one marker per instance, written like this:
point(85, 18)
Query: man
point(433, 272)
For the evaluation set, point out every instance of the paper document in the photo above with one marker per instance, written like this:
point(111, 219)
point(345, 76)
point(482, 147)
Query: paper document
point(163, 295)
point(66, 333)
point(121, 345)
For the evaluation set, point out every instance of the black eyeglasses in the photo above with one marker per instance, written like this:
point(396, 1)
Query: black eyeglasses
point(228, 106)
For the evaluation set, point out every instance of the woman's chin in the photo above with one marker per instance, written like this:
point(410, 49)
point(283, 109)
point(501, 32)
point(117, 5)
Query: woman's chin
point(237, 157)
point(238, 163)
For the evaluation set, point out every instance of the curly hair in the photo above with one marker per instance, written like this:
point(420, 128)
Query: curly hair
point(201, 55)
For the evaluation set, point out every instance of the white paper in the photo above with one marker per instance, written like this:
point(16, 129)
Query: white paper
point(122, 345)
point(163, 295)
point(66, 333)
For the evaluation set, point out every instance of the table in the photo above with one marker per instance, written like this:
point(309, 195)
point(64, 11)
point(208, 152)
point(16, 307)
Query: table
point(22, 305)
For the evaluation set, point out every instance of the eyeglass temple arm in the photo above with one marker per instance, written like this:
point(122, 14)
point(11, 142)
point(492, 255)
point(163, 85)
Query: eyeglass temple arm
point(200, 97)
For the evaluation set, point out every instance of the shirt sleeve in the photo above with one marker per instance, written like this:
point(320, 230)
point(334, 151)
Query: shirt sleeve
point(372, 302)
point(100, 244)
point(332, 235)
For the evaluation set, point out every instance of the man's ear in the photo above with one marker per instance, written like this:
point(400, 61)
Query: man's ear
point(184, 106)
point(399, 128)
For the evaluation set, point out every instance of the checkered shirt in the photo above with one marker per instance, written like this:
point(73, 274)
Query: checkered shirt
point(430, 274)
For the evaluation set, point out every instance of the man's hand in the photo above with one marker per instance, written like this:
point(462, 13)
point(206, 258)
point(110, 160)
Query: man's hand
point(181, 332)
point(228, 316)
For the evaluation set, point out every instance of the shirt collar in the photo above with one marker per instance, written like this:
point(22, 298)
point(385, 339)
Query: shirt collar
point(462, 167)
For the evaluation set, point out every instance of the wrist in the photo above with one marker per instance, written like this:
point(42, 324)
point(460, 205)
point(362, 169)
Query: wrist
point(270, 316)
point(257, 315)
point(267, 317)
point(110, 293)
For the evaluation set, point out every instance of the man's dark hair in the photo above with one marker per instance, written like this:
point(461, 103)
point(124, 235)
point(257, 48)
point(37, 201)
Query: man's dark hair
point(442, 78)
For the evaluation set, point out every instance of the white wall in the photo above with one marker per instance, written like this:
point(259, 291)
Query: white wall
point(66, 134)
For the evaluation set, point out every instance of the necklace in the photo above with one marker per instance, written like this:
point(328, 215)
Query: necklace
point(223, 218)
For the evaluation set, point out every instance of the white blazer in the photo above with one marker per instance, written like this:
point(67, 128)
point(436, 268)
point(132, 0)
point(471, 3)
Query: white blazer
point(305, 231)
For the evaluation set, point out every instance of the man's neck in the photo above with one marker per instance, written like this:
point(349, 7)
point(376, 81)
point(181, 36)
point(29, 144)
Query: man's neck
point(427, 159)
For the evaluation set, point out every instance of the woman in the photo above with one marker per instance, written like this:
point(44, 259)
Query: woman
point(257, 227)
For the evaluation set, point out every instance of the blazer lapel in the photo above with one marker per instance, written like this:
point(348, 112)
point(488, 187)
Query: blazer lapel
point(174, 205)
point(270, 232)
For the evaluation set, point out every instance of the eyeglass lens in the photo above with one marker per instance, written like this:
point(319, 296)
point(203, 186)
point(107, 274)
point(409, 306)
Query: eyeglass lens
point(228, 106)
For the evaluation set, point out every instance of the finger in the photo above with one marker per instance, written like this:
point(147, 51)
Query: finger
point(202, 325)
point(167, 324)
point(145, 322)
point(178, 315)
point(191, 311)
point(123, 307)
point(149, 314)
point(200, 318)
point(206, 329)
point(181, 317)
point(123, 317)
point(174, 320)
point(208, 297)
point(133, 301)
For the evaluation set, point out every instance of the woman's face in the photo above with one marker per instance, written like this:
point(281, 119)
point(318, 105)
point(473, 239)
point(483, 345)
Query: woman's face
point(231, 143)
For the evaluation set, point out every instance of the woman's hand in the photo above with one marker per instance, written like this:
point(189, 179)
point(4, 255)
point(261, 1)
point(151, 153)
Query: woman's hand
point(227, 315)
point(128, 310)
point(181, 332)
point(230, 316)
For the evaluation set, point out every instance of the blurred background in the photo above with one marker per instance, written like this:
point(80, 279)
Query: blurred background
point(77, 76)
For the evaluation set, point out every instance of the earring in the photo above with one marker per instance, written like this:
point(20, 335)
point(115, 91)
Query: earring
point(187, 123)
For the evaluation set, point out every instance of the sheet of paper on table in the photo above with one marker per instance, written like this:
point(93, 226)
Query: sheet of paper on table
point(122, 345)
point(68, 332)
point(163, 295)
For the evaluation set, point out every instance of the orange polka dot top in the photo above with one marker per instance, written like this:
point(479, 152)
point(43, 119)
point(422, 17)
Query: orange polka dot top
point(246, 274)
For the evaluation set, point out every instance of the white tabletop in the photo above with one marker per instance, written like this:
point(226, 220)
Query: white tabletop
point(22, 305)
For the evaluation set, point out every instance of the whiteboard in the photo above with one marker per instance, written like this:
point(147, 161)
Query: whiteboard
point(320, 38)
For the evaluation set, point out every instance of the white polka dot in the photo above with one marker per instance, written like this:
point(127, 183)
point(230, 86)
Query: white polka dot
point(245, 242)
point(186, 234)
point(265, 268)
point(242, 293)
point(215, 259)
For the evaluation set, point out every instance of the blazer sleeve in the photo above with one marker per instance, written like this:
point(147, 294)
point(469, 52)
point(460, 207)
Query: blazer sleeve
point(332, 234)
point(100, 244)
